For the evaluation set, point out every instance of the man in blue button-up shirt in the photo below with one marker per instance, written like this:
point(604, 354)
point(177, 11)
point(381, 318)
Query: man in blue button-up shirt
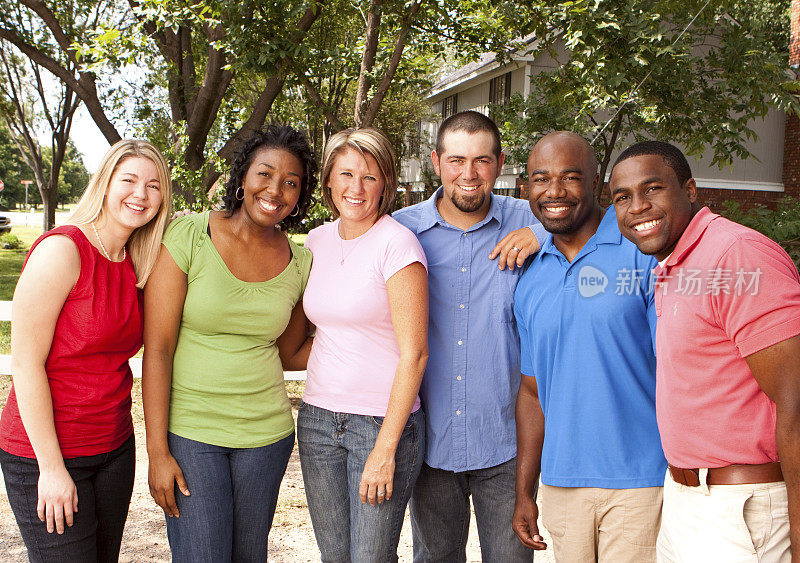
point(471, 381)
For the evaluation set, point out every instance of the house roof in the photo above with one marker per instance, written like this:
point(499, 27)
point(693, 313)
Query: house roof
point(485, 62)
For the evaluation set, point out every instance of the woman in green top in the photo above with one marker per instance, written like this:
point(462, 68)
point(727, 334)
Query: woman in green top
point(224, 289)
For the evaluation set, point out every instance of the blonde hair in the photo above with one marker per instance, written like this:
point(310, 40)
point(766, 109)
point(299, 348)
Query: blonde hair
point(145, 242)
point(366, 141)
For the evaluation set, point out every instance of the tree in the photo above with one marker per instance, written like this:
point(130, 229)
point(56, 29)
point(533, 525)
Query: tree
point(12, 170)
point(26, 104)
point(635, 68)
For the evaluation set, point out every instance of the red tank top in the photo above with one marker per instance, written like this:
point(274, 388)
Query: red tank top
point(98, 330)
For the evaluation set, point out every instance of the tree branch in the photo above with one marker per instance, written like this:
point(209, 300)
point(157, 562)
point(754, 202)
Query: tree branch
point(367, 60)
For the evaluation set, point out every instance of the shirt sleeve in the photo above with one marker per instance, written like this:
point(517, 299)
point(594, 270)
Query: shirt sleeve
point(526, 364)
point(539, 232)
point(180, 238)
point(402, 249)
point(760, 304)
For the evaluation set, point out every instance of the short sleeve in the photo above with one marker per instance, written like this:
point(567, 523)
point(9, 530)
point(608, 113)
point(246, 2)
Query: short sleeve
point(402, 249)
point(304, 260)
point(526, 364)
point(181, 236)
point(760, 305)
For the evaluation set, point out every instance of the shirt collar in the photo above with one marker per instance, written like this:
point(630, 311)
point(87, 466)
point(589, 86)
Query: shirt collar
point(607, 233)
point(430, 216)
point(691, 236)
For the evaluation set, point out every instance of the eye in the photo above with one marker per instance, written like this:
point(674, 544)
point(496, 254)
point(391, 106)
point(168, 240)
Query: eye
point(540, 179)
point(652, 188)
point(572, 179)
point(371, 178)
point(291, 183)
point(345, 173)
point(619, 198)
point(154, 187)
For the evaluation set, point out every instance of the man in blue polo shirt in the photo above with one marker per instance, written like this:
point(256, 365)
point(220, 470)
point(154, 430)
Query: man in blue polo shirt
point(471, 381)
point(586, 404)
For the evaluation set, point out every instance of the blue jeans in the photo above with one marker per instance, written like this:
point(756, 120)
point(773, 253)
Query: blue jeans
point(440, 514)
point(333, 450)
point(234, 491)
point(104, 483)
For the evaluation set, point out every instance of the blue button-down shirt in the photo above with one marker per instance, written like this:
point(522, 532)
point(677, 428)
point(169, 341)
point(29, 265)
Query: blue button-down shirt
point(471, 381)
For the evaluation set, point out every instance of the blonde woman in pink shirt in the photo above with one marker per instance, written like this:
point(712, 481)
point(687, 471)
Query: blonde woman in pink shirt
point(360, 430)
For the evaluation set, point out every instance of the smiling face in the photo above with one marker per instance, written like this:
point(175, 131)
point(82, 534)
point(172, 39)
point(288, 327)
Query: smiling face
point(356, 183)
point(653, 208)
point(468, 168)
point(271, 186)
point(133, 196)
point(562, 176)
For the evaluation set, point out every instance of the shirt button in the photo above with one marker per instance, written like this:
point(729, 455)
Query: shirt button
point(463, 269)
point(460, 342)
point(569, 273)
point(458, 412)
point(463, 234)
point(461, 306)
point(459, 378)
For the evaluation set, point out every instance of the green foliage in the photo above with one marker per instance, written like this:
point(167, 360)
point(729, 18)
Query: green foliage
point(781, 224)
point(702, 89)
point(11, 242)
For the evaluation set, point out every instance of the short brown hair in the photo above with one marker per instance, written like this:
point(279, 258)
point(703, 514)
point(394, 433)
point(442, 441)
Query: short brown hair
point(472, 122)
point(366, 141)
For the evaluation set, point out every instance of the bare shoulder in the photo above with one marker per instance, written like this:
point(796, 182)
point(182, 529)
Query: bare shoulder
point(55, 263)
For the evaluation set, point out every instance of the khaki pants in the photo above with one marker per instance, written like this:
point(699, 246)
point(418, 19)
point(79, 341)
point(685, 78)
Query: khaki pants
point(592, 524)
point(730, 523)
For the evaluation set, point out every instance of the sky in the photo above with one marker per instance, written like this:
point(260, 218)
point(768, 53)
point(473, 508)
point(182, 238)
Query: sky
point(88, 139)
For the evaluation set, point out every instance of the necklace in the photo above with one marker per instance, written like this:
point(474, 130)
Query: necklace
point(349, 252)
point(103, 247)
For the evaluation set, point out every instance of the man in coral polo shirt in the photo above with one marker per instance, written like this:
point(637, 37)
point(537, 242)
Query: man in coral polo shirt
point(728, 367)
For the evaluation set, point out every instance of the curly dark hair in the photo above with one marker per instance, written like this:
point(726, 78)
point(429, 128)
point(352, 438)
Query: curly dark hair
point(275, 137)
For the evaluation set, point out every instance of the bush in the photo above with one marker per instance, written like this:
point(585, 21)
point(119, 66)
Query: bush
point(11, 242)
point(781, 224)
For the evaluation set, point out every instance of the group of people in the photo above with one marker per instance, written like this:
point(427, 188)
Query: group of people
point(644, 364)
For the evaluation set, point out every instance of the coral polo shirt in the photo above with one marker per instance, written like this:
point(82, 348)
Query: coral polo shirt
point(724, 293)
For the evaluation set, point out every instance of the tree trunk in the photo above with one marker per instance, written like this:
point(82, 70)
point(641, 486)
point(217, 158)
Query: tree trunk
point(609, 148)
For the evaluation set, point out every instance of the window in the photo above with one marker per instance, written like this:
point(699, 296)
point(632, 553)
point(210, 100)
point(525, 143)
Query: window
point(500, 89)
point(449, 106)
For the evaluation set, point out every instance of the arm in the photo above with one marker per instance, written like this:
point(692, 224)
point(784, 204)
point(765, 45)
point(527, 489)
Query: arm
point(294, 345)
point(50, 274)
point(517, 246)
point(408, 301)
point(777, 371)
point(530, 437)
point(164, 296)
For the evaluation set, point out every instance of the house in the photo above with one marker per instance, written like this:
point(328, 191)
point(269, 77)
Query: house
point(773, 173)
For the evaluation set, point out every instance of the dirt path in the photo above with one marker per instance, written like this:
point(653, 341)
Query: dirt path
point(291, 539)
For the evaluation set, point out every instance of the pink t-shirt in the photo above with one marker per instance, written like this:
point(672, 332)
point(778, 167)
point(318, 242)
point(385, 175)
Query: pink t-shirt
point(725, 293)
point(355, 353)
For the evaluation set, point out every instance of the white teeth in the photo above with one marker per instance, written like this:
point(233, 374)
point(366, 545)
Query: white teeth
point(354, 201)
point(135, 207)
point(646, 225)
point(557, 209)
point(468, 188)
point(268, 205)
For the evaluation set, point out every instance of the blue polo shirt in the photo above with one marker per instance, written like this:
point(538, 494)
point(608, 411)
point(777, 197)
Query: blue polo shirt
point(470, 385)
point(586, 329)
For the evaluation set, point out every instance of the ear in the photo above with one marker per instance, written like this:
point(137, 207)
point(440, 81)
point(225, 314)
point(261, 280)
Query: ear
point(500, 162)
point(691, 189)
point(596, 182)
point(435, 160)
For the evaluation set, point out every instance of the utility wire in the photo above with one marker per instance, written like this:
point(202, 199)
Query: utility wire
point(636, 88)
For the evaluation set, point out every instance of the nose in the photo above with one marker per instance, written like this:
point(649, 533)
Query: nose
point(470, 171)
point(140, 190)
point(555, 189)
point(639, 204)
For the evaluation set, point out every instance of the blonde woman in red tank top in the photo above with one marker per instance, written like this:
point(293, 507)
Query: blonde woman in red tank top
point(66, 435)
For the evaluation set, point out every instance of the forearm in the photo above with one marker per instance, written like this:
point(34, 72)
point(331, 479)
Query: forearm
point(787, 435)
point(299, 360)
point(405, 388)
point(35, 404)
point(156, 389)
point(530, 439)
